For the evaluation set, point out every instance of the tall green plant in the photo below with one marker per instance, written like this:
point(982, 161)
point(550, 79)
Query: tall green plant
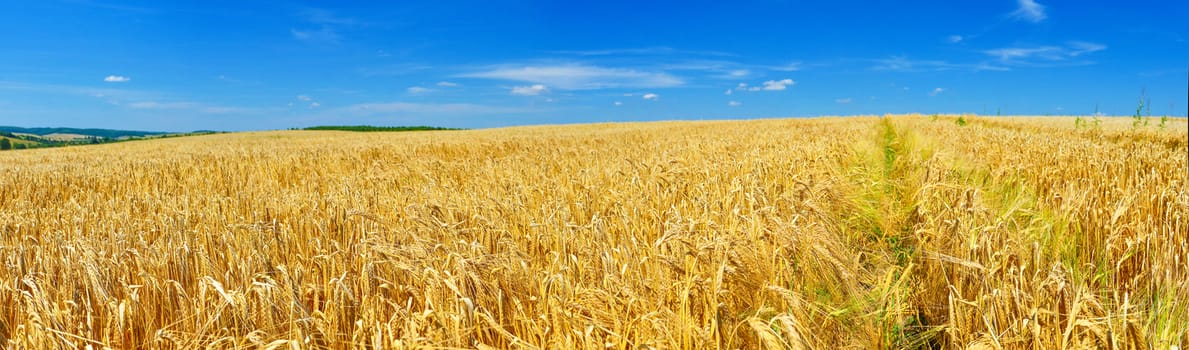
point(1138, 117)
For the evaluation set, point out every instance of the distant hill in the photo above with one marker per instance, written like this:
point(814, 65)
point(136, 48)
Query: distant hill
point(21, 138)
point(102, 133)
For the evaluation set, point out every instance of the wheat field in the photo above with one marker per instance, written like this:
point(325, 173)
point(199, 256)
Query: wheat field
point(952, 232)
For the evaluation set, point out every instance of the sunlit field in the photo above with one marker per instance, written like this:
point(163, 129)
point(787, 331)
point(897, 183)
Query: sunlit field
point(861, 232)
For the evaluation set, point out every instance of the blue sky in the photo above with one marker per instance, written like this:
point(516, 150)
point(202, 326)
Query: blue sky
point(250, 65)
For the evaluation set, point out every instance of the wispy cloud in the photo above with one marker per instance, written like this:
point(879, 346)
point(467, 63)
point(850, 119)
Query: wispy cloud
point(326, 26)
point(644, 51)
point(936, 91)
point(324, 35)
point(729, 70)
point(108, 94)
point(117, 79)
point(738, 73)
point(1029, 10)
point(532, 90)
point(1041, 54)
point(308, 101)
point(161, 105)
point(711, 68)
point(790, 67)
point(579, 76)
point(1078, 48)
point(429, 108)
point(189, 106)
point(843, 100)
point(694, 65)
point(417, 90)
point(393, 69)
point(954, 39)
point(1017, 53)
point(904, 64)
point(135, 99)
point(323, 16)
point(734, 103)
point(1000, 59)
point(652, 97)
point(111, 6)
point(447, 84)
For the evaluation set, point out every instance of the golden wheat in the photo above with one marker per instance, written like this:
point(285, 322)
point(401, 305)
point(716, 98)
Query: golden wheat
point(864, 232)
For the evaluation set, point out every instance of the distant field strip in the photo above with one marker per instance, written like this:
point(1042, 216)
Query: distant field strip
point(861, 232)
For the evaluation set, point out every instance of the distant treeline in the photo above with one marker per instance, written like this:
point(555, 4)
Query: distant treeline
point(369, 128)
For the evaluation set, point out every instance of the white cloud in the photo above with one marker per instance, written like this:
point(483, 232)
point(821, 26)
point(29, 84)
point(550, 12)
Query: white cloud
point(1029, 11)
point(306, 98)
point(447, 84)
point(533, 90)
point(734, 103)
point(728, 92)
point(771, 85)
point(652, 96)
point(738, 73)
point(936, 91)
point(843, 100)
point(580, 77)
point(778, 85)
point(954, 39)
point(617, 103)
point(417, 90)
point(117, 79)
